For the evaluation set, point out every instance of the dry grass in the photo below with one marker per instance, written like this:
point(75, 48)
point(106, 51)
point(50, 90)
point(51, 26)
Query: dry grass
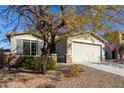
point(73, 71)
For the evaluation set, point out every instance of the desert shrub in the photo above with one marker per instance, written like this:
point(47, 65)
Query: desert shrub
point(29, 62)
point(37, 63)
point(73, 71)
point(25, 62)
point(34, 63)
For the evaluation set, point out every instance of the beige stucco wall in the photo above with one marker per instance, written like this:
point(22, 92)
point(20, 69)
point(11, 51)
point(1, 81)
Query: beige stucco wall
point(86, 39)
point(18, 40)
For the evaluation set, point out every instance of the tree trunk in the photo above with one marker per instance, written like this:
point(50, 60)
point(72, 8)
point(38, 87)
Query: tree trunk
point(46, 52)
point(45, 60)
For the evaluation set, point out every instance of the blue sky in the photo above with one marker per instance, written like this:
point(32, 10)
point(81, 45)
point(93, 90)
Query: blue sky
point(3, 31)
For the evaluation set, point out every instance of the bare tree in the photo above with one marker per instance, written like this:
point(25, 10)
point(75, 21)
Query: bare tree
point(50, 21)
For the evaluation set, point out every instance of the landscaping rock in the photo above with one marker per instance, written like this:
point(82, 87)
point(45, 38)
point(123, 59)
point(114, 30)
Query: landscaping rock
point(89, 78)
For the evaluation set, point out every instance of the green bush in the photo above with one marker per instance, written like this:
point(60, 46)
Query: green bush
point(51, 64)
point(34, 63)
point(37, 63)
point(29, 62)
point(24, 62)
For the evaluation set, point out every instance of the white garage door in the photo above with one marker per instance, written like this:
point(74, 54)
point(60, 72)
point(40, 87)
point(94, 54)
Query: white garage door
point(82, 52)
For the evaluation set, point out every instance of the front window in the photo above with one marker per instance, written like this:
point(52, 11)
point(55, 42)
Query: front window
point(26, 47)
point(30, 47)
point(34, 48)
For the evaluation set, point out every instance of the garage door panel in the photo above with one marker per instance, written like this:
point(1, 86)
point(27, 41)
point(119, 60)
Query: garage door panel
point(80, 59)
point(82, 52)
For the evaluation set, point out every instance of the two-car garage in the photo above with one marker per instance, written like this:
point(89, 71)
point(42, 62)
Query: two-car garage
point(86, 52)
point(81, 48)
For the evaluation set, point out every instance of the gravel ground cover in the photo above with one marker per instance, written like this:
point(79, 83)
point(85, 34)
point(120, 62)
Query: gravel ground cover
point(93, 78)
point(89, 78)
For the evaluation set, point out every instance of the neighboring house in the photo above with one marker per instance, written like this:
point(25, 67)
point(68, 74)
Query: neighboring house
point(121, 46)
point(6, 51)
point(111, 51)
point(115, 47)
point(85, 46)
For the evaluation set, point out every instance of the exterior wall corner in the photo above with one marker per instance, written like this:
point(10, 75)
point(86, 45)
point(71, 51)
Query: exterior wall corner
point(68, 58)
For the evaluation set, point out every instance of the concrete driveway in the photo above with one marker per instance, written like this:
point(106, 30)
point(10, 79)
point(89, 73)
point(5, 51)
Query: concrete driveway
point(110, 67)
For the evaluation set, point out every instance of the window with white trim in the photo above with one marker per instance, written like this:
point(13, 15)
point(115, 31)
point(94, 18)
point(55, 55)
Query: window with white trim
point(30, 47)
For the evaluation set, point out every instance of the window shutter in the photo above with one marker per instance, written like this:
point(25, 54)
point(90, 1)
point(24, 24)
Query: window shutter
point(19, 46)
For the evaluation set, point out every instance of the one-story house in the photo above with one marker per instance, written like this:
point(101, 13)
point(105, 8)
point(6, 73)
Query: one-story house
point(83, 46)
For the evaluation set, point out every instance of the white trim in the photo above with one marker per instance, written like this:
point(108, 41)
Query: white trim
point(30, 41)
